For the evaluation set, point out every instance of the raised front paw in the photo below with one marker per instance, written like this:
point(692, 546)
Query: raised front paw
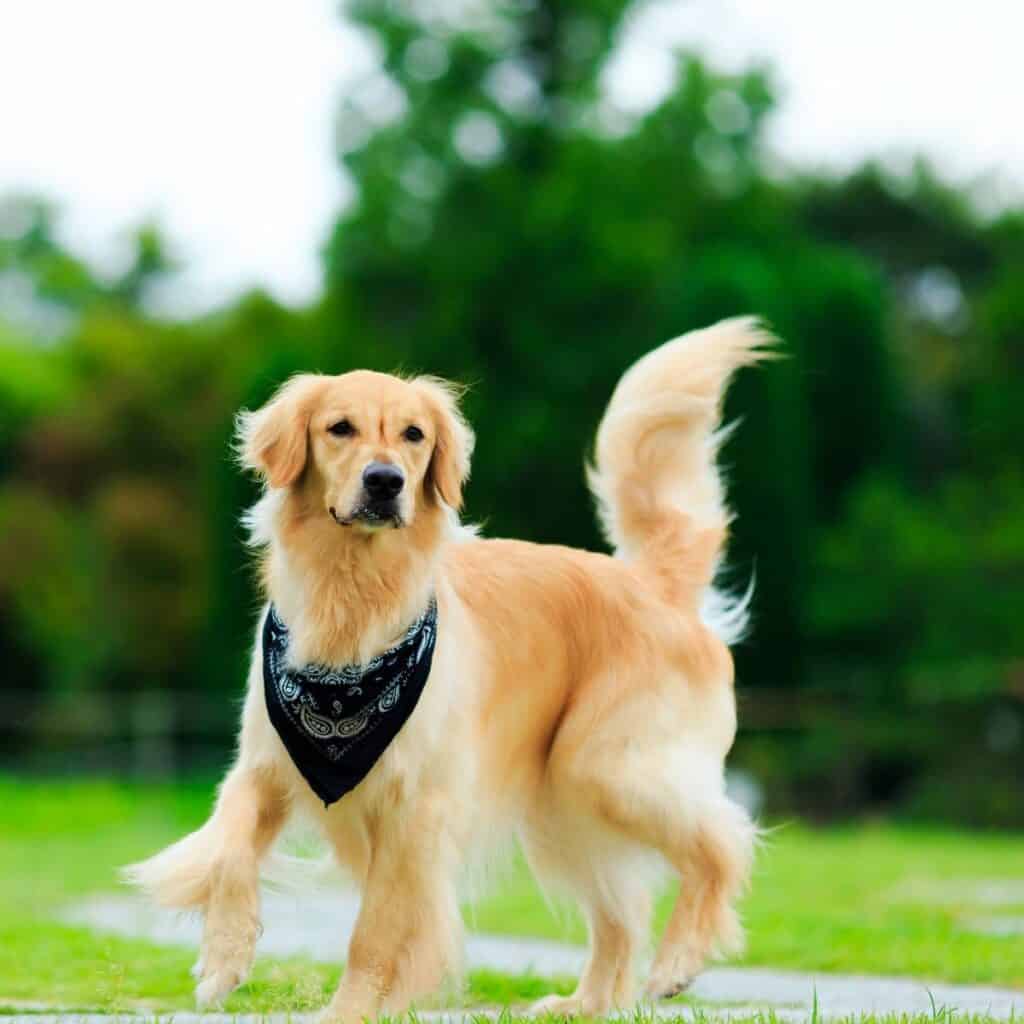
point(224, 962)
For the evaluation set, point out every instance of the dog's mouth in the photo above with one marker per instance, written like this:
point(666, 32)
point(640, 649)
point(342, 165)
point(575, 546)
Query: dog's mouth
point(375, 516)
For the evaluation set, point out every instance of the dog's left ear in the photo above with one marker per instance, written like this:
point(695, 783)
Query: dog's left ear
point(274, 439)
point(453, 442)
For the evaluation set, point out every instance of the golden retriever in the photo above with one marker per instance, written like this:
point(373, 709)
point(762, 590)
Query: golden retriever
point(585, 701)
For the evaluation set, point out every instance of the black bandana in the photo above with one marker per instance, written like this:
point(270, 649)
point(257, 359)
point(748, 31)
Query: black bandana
point(336, 722)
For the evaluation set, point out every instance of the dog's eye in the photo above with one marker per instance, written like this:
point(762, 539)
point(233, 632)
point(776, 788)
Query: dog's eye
point(341, 429)
point(413, 433)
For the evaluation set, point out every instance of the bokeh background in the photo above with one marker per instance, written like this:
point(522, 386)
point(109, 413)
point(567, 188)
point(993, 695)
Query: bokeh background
point(524, 196)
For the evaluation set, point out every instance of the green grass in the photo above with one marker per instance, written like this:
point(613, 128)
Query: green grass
point(843, 899)
point(59, 841)
point(851, 899)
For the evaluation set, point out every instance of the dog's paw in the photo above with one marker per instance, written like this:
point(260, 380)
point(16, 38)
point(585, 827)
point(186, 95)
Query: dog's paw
point(225, 959)
point(332, 1013)
point(571, 1006)
point(219, 973)
point(216, 986)
point(666, 983)
point(666, 990)
point(557, 1006)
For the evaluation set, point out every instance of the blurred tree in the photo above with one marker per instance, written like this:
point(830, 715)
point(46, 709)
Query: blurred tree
point(151, 261)
point(36, 264)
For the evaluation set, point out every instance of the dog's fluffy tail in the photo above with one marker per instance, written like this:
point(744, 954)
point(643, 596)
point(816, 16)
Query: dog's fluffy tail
point(659, 493)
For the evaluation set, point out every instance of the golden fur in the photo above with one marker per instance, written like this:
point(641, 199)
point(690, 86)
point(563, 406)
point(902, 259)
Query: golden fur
point(584, 700)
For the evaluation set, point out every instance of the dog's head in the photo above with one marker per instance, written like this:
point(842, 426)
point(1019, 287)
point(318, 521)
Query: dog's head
point(372, 450)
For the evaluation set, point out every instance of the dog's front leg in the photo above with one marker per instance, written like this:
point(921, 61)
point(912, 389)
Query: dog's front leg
point(216, 870)
point(409, 932)
point(251, 809)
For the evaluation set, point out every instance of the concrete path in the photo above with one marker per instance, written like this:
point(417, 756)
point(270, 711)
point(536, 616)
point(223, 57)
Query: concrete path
point(319, 927)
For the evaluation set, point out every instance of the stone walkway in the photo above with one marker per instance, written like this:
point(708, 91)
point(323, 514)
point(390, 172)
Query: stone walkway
point(319, 928)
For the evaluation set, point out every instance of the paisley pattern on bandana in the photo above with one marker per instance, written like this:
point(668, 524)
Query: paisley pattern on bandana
point(336, 721)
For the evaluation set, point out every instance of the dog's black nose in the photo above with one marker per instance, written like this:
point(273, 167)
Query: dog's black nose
point(383, 480)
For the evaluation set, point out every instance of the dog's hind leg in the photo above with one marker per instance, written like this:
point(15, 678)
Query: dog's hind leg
point(714, 865)
point(216, 870)
point(672, 801)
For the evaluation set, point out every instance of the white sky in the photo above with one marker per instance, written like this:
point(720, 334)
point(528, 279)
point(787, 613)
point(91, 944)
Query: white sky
point(214, 116)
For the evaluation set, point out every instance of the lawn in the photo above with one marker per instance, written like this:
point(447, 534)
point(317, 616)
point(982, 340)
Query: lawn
point(872, 898)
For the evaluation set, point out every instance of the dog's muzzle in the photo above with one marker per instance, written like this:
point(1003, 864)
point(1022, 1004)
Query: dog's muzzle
point(378, 505)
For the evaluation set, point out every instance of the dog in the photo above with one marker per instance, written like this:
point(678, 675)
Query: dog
point(583, 700)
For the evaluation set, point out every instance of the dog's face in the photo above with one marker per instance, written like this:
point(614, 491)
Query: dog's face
point(372, 449)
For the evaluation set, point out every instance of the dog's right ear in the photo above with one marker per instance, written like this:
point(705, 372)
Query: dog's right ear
point(273, 441)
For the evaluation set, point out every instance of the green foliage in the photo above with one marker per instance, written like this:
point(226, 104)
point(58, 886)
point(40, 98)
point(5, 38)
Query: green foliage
point(922, 582)
point(514, 231)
